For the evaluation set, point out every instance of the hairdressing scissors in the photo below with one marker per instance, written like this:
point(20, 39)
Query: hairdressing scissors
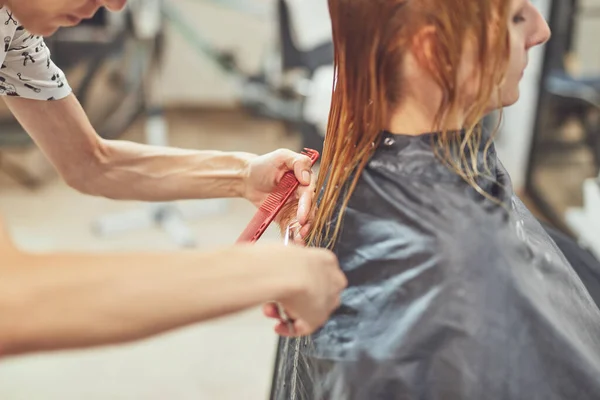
point(282, 314)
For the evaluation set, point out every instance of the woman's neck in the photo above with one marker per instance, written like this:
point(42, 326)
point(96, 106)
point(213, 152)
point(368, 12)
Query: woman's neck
point(415, 118)
point(418, 105)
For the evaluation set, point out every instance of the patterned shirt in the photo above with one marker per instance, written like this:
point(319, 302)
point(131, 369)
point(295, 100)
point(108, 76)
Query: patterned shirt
point(27, 70)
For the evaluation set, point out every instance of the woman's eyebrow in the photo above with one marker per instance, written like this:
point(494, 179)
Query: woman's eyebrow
point(521, 4)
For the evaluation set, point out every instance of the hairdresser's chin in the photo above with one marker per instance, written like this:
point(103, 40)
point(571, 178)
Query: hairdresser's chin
point(43, 17)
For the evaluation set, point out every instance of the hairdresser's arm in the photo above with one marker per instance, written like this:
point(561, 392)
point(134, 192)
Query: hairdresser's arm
point(62, 301)
point(126, 170)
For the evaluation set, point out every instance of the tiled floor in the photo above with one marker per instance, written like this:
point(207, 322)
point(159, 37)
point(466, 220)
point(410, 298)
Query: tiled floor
point(226, 359)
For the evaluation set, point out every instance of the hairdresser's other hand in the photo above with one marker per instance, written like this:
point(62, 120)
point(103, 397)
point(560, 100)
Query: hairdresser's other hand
point(319, 283)
point(265, 172)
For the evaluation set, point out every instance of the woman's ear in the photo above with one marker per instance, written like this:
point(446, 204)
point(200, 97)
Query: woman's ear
point(423, 47)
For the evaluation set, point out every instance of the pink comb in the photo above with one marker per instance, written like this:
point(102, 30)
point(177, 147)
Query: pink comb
point(274, 203)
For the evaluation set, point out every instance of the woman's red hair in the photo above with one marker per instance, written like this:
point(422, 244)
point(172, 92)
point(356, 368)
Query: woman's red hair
point(370, 40)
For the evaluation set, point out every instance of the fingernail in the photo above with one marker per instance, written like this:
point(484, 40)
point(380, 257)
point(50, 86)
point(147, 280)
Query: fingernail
point(306, 176)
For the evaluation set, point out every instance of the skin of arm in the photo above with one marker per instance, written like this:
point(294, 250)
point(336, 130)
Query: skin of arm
point(130, 171)
point(68, 300)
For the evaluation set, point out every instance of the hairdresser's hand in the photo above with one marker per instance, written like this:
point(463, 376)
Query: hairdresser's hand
point(265, 172)
point(318, 286)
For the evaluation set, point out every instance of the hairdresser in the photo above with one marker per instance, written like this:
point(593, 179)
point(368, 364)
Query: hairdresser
point(70, 300)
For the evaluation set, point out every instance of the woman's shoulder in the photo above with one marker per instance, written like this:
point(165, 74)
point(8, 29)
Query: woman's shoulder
point(400, 218)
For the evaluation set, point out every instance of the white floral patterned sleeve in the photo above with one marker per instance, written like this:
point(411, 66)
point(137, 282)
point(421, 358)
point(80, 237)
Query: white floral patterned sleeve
point(27, 70)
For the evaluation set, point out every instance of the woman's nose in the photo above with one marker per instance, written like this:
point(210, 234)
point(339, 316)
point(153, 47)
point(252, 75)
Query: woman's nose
point(541, 34)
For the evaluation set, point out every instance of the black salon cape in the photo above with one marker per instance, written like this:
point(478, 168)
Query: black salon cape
point(451, 296)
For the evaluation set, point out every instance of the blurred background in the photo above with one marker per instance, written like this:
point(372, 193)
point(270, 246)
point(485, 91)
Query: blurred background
point(251, 76)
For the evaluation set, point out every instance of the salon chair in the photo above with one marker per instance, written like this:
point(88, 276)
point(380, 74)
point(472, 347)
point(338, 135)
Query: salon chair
point(576, 98)
point(92, 55)
point(299, 49)
point(566, 131)
point(570, 98)
point(583, 262)
point(295, 85)
point(106, 76)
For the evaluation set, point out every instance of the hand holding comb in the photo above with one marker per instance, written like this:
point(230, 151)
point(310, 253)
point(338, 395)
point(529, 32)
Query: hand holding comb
point(274, 203)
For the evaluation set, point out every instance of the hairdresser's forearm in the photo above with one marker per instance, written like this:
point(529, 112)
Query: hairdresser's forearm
point(127, 170)
point(50, 302)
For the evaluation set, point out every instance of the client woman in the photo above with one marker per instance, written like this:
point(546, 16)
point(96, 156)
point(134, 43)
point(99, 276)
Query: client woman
point(455, 290)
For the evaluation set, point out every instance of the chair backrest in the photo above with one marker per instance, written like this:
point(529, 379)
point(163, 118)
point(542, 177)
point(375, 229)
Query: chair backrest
point(300, 46)
point(583, 262)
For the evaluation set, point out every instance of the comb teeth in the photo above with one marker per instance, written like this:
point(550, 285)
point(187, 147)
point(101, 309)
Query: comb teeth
point(312, 154)
point(286, 187)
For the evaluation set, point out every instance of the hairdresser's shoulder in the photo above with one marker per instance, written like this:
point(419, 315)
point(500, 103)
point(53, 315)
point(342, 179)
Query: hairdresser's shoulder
point(11, 29)
point(27, 68)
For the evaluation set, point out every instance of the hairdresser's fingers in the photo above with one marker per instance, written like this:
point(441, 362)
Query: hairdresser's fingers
point(299, 240)
point(300, 164)
point(300, 328)
point(270, 311)
point(306, 198)
point(301, 234)
point(313, 183)
point(282, 329)
point(304, 206)
point(304, 231)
